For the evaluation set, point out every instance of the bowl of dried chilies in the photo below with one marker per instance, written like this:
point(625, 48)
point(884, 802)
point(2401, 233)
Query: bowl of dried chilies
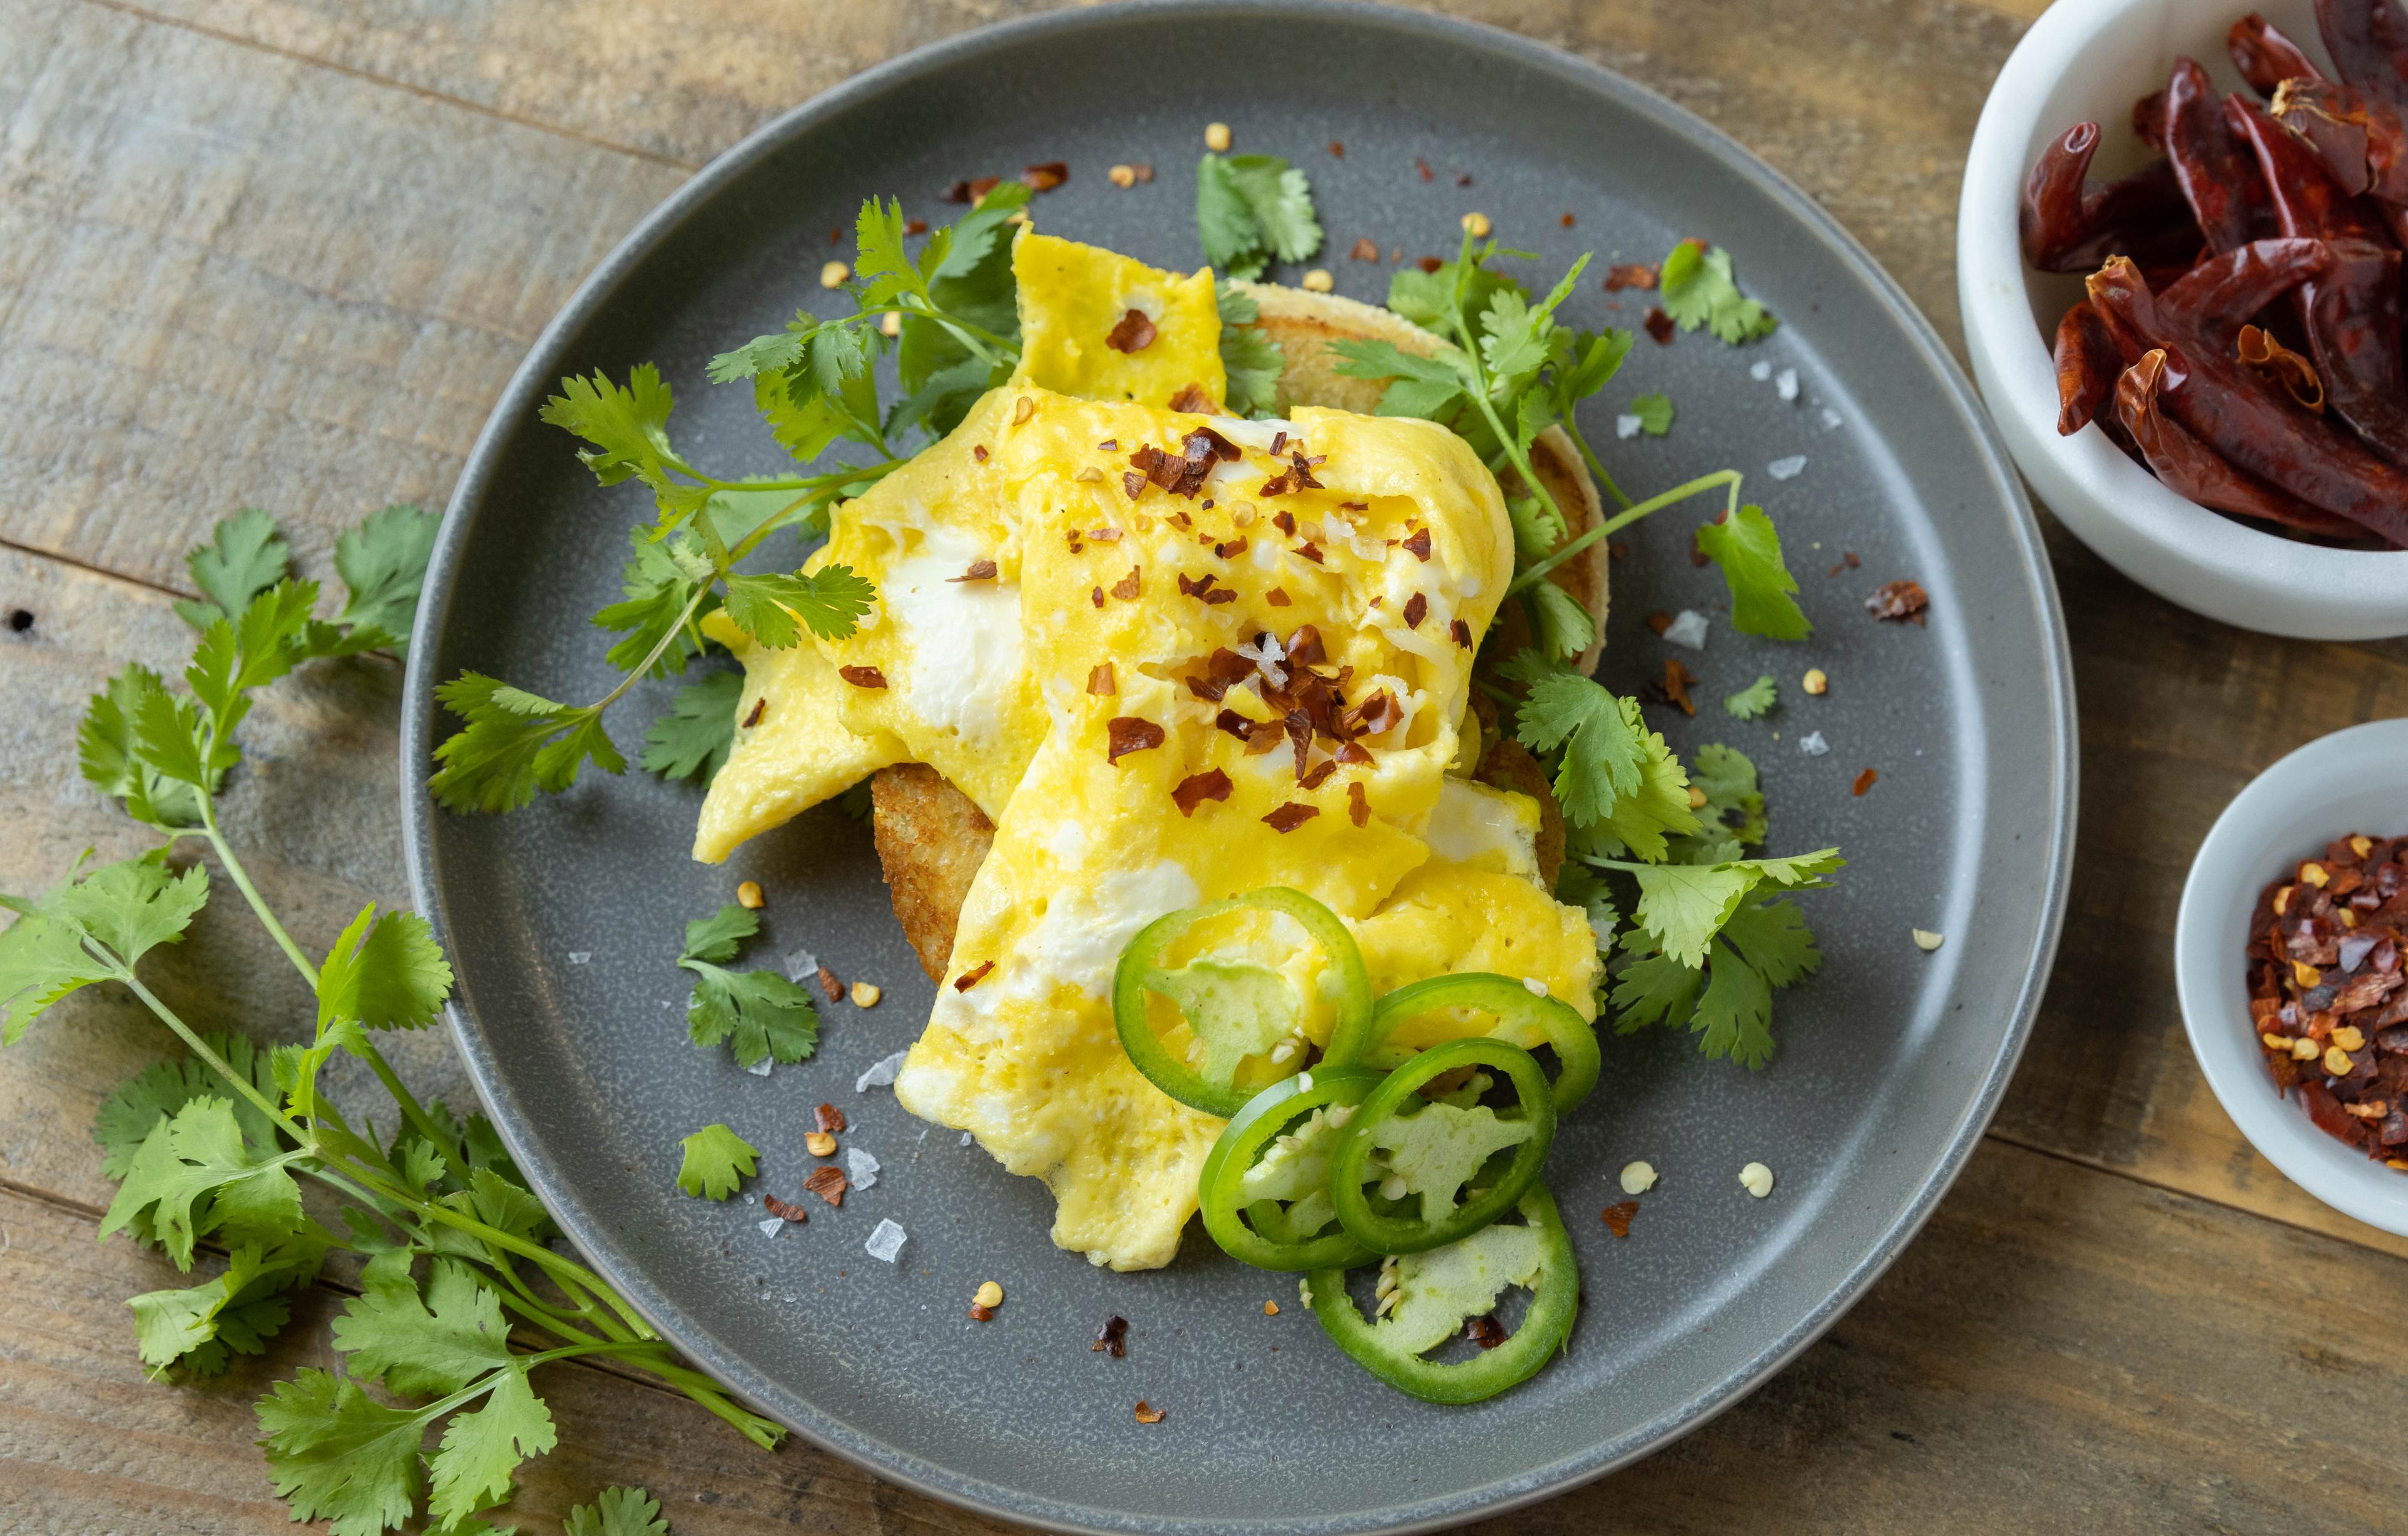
point(2179, 255)
point(2288, 960)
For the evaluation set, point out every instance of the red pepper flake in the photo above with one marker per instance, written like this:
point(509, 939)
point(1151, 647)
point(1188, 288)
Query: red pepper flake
point(1848, 558)
point(1321, 772)
point(1277, 597)
point(973, 976)
point(1463, 178)
point(828, 1182)
point(1304, 647)
point(1146, 1414)
point(978, 452)
point(1231, 549)
point(1287, 818)
point(1460, 633)
point(981, 571)
point(1127, 587)
point(1365, 251)
point(1430, 264)
point(829, 985)
point(835, 236)
point(1898, 600)
point(1310, 550)
point(1659, 325)
point(1189, 587)
point(1617, 548)
point(863, 677)
point(958, 192)
point(828, 1117)
point(1358, 806)
point(1424, 166)
point(1279, 443)
point(785, 1210)
point(979, 186)
point(1285, 522)
point(915, 226)
point(1134, 483)
point(1418, 545)
point(1417, 609)
point(1127, 734)
point(1100, 679)
point(1864, 781)
point(1235, 724)
point(1629, 275)
point(1133, 333)
point(1617, 1217)
point(979, 1313)
point(1104, 535)
point(1677, 679)
point(1568, 220)
point(1487, 1332)
point(1337, 149)
point(1298, 476)
point(1697, 555)
point(1113, 1338)
point(1192, 400)
point(753, 717)
point(1045, 177)
point(1196, 788)
point(1096, 596)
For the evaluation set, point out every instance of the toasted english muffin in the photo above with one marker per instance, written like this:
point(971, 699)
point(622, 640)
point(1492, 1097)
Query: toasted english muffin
point(932, 837)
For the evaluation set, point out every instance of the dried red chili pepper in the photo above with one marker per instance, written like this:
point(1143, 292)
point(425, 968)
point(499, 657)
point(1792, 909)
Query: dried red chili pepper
point(2086, 364)
point(2261, 352)
point(2265, 57)
point(2195, 472)
point(2213, 164)
point(2216, 298)
point(2361, 139)
point(2369, 43)
point(2245, 419)
point(2068, 224)
point(2149, 121)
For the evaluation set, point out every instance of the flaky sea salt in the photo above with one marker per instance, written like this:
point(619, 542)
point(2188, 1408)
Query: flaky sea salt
point(1787, 384)
point(1830, 417)
point(1813, 745)
point(966, 1138)
point(760, 1068)
point(1786, 469)
point(580, 957)
point(772, 1226)
point(1759, 370)
point(860, 1166)
point(1689, 627)
point(802, 966)
point(1628, 427)
point(880, 1074)
point(885, 1242)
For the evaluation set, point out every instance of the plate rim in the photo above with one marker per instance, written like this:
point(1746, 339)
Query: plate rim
point(884, 1459)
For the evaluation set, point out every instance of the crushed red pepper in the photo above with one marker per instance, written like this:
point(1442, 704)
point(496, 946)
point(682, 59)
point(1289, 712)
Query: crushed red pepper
point(1677, 679)
point(973, 976)
point(1288, 817)
point(1134, 333)
point(863, 677)
point(753, 717)
point(1045, 177)
point(2327, 996)
point(1113, 1338)
point(1127, 734)
point(1487, 1332)
point(1864, 783)
point(829, 985)
point(1617, 1217)
point(980, 570)
point(1629, 275)
point(828, 1182)
point(828, 1118)
point(1196, 788)
point(1660, 327)
point(1898, 600)
point(1358, 807)
point(1192, 400)
point(785, 1210)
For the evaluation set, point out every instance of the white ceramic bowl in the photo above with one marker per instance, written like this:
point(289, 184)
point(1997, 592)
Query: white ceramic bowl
point(2091, 59)
point(2352, 781)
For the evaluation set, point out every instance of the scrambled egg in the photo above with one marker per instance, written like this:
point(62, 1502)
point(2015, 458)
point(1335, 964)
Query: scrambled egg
point(1176, 656)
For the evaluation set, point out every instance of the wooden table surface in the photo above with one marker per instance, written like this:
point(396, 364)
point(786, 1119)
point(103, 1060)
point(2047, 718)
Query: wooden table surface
point(285, 253)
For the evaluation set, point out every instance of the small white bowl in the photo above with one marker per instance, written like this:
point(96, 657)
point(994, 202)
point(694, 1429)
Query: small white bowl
point(2089, 60)
point(2352, 781)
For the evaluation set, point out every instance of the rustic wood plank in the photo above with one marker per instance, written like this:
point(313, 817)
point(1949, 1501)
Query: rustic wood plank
point(2062, 1350)
point(233, 279)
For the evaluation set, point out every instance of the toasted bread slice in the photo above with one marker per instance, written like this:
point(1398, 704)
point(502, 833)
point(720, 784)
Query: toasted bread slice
point(932, 837)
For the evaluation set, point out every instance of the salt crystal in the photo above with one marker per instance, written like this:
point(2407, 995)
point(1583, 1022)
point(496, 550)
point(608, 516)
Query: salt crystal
point(1786, 469)
point(885, 1242)
point(1760, 372)
point(1787, 383)
point(1628, 427)
point(2354, 951)
point(882, 1074)
point(760, 1068)
point(1830, 417)
point(578, 956)
point(1813, 745)
point(802, 966)
point(860, 1166)
point(966, 1138)
point(771, 1228)
point(1687, 628)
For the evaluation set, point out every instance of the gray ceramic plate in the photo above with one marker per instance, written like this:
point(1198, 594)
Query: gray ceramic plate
point(564, 918)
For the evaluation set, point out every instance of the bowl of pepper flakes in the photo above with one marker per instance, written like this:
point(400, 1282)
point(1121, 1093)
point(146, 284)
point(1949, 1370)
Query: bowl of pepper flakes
point(2291, 964)
point(2114, 67)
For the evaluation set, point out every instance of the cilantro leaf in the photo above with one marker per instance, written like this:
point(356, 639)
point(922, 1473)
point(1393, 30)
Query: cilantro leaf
point(514, 743)
point(194, 1175)
point(243, 558)
point(1561, 623)
point(1763, 600)
point(1536, 527)
point(1755, 701)
point(428, 1345)
point(201, 1328)
point(1727, 778)
point(109, 753)
point(1251, 208)
point(384, 972)
point(129, 908)
point(628, 426)
point(1654, 413)
point(1727, 999)
point(1655, 990)
point(1774, 938)
point(382, 563)
point(1698, 290)
point(1602, 738)
point(695, 738)
point(1682, 906)
point(716, 1161)
point(151, 1097)
point(762, 1015)
point(336, 1454)
point(658, 582)
point(1429, 388)
point(1735, 1016)
point(1251, 359)
point(831, 602)
point(619, 1512)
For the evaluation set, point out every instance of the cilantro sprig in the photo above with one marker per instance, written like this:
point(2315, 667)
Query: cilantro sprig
point(1251, 210)
point(761, 1015)
point(463, 1298)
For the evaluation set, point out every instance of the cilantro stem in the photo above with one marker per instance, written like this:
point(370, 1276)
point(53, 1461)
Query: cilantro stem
point(1596, 466)
point(239, 1081)
point(1532, 574)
